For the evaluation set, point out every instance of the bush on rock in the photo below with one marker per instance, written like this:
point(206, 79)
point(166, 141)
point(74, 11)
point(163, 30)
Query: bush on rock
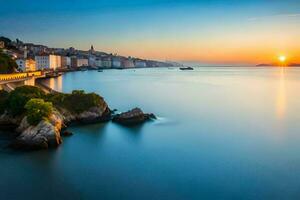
point(37, 110)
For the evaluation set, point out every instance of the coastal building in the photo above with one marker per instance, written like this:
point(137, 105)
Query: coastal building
point(73, 61)
point(65, 61)
point(106, 62)
point(79, 62)
point(2, 45)
point(82, 62)
point(92, 61)
point(92, 50)
point(48, 62)
point(127, 63)
point(98, 62)
point(116, 62)
point(26, 65)
point(140, 63)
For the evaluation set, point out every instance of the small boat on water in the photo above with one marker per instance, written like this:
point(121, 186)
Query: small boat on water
point(100, 70)
point(53, 75)
point(186, 68)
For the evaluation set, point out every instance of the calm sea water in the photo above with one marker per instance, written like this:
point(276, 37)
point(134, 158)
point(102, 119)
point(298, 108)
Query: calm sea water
point(222, 133)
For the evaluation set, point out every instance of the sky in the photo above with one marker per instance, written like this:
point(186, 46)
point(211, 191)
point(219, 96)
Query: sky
point(211, 31)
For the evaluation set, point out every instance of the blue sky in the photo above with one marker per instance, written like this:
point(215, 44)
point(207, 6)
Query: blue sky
point(159, 29)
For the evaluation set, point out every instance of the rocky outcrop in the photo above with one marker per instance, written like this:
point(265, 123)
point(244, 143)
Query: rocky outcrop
point(42, 136)
point(48, 132)
point(133, 117)
point(77, 107)
point(93, 115)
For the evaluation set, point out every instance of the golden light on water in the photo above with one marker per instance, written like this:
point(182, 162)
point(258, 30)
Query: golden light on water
point(281, 95)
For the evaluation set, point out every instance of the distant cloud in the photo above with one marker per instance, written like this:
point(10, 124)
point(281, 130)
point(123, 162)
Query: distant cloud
point(294, 15)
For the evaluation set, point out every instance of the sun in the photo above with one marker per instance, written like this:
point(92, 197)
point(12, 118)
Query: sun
point(282, 59)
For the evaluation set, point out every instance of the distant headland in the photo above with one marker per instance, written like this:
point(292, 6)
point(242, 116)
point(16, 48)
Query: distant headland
point(274, 64)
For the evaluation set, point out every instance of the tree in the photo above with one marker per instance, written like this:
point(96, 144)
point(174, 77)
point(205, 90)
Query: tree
point(19, 97)
point(37, 110)
point(7, 64)
point(76, 102)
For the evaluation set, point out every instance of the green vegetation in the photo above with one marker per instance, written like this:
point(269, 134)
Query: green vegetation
point(20, 96)
point(7, 65)
point(76, 102)
point(37, 110)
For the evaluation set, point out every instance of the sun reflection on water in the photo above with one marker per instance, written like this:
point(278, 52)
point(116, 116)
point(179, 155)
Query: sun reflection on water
point(281, 95)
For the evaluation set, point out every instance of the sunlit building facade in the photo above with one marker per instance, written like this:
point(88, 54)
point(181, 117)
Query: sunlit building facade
point(48, 62)
point(26, 65)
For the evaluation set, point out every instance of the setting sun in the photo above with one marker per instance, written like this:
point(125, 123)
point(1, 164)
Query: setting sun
point(282, 58)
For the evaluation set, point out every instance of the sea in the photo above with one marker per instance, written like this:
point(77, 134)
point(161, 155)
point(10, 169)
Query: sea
point(220, 133)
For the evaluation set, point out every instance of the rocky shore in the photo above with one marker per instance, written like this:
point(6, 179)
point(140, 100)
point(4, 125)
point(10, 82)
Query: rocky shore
point(68, 109)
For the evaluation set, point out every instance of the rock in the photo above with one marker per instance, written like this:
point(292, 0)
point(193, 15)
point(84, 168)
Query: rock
point(93, 115)
point(66, 133)
point(132, 117)
point(42, 136)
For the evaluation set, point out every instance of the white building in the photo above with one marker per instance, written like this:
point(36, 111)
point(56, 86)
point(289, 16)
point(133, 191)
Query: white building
point(116, 62)
point(92, 61)
point(106, 62)
point(26, 65)
point(47, 62)
point(98, 62)
point(140, 63)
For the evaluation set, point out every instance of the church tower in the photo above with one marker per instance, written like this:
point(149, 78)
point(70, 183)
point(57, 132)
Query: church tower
point(25, 52)
point(92, 49)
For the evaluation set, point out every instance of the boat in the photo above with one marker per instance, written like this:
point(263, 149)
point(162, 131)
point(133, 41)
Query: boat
point(100, 70)
point(186, 68)
point(53, 75)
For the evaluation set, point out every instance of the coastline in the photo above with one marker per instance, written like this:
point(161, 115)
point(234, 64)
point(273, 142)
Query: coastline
point(76, 108)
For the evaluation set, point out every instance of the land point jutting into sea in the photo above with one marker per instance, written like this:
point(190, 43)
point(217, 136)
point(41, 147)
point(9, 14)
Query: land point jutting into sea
point(38, 114)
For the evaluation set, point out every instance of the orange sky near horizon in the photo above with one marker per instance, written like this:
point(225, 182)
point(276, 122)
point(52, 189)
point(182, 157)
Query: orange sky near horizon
point(215, 52)
point(243, 42)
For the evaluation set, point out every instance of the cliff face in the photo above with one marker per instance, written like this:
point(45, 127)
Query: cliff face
point(92, 115)
point(75, 108)
point(47, 133)
point(42, 136)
